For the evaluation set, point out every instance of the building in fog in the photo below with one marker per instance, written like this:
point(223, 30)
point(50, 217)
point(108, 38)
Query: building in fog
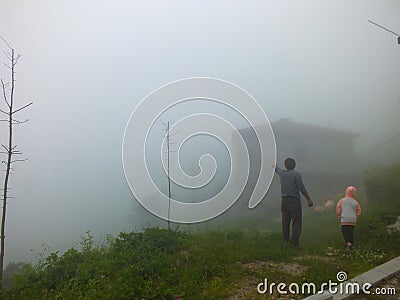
point(325, 157)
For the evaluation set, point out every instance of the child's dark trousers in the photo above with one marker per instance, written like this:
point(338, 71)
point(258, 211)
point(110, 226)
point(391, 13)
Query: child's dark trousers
point(348, 233)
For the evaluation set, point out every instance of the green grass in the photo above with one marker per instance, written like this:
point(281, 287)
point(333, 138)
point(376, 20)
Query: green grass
point(218, 263)
point(160, 263)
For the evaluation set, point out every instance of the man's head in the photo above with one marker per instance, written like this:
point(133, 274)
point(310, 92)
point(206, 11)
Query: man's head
point(290, 163)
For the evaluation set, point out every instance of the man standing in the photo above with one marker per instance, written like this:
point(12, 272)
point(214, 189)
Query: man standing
point(291, 186)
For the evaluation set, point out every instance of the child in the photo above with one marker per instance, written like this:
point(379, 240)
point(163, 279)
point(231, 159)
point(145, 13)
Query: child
point(348, 209)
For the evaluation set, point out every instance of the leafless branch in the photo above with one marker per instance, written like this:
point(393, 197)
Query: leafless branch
point(16, 59)
point(4, 92)
point(170, 151)
point(12, 153)
point(7, 54)
point(6, 84)
point(5, 41)
point(18, 160)
point(16, 122)
point(174, 133)
point(22, 108)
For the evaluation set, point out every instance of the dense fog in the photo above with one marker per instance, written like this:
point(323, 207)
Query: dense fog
point(326, 78)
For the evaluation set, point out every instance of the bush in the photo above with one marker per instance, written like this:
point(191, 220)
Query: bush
point(382, 185)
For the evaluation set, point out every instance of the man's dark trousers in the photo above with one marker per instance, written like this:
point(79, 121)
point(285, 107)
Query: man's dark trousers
point(291, 213)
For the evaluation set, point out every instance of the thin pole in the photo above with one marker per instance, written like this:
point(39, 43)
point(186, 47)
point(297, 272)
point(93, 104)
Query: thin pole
point(169, 178)
point(384, 28)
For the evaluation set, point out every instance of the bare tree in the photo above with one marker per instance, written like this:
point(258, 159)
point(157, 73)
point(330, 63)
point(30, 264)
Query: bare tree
point(167, 137)
point(10, 150)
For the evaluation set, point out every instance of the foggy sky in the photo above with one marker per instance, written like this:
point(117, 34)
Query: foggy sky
point(87, 64)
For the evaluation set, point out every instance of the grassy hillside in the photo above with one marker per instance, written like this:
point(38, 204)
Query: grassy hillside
point(220, 263)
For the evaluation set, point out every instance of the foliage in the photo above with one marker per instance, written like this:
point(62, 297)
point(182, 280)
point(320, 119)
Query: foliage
point(382, 185)
point(11, 271)
point(159, 263)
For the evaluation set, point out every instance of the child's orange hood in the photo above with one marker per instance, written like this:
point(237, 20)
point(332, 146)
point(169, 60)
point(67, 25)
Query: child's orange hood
point(351, 192)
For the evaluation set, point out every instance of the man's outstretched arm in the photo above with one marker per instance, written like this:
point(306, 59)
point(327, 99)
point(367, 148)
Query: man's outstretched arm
point(277, 169)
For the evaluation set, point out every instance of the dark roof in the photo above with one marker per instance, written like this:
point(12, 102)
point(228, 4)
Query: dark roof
point(294, 128)
point(286, 126)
